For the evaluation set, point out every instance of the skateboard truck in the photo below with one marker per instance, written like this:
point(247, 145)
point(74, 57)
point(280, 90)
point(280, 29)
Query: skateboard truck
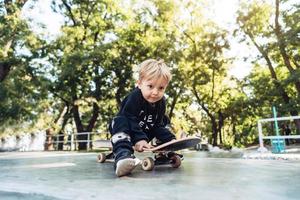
point(163, 158)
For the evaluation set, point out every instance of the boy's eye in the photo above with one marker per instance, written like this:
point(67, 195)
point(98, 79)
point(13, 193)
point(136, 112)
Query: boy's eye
point(150, 86)
point(161, 88)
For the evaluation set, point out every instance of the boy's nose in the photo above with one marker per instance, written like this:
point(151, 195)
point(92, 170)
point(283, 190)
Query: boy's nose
point(155, 91)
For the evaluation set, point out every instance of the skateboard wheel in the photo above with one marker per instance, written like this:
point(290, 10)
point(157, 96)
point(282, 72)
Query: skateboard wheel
point(101, 157)
point(148, 164)
point(175, 161)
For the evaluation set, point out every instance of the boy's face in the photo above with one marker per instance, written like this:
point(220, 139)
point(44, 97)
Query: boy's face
point(153, 89)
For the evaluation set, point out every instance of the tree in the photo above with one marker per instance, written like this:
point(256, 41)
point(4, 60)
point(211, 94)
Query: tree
point(80, 63)
point(254, 20)
point(21, 89)
point(13, 31)
point(205, 67)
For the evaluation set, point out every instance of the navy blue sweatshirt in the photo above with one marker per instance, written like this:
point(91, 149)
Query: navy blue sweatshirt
point(146, 120)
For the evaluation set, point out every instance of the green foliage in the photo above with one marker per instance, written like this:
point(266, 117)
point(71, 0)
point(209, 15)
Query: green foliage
point(21, 90)
point(82, 76)
point(273, 83)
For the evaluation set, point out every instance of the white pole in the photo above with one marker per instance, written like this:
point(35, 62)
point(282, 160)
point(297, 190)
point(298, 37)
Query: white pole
point(72, 142)
point(279, 119)
point(88, 143)
point(260, 135)
point(261, 148)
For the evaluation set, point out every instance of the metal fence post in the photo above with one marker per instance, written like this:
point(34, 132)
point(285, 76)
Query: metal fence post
point(88, 141)
point(260, 135)
point(72, 142)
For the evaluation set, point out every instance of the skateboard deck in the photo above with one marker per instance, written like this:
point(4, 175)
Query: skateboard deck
point(163, 154)
point(176, 145)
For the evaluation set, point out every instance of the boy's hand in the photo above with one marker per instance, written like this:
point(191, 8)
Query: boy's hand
point(141, 145)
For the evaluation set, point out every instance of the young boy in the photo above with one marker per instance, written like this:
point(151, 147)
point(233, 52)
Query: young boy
point(141, 116)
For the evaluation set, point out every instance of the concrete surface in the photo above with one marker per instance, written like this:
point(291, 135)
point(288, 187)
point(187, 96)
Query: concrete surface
point(65, 175)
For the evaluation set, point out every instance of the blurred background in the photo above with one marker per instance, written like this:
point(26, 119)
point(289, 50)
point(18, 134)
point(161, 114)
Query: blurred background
point(66, 65)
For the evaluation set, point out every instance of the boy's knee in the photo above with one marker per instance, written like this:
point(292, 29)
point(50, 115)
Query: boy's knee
point(122, 146)
point(120, 137)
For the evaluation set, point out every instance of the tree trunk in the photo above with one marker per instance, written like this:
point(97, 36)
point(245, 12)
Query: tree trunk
point(93, 121)
point(60, 144)
point(214, 131)
point(94, 117)
point(234, 133)
point(282, 48)
point(220, 126)
point(173, 103)
point(61, 132)
point(212, 119)
point(80, 129)
point(4, 70)
point(49, 140)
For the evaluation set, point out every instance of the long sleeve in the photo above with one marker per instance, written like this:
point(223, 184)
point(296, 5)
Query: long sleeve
point(131, 108)
point(161, 130)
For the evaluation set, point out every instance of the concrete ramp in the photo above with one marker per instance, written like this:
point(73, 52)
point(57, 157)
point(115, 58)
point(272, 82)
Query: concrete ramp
point(60, 176)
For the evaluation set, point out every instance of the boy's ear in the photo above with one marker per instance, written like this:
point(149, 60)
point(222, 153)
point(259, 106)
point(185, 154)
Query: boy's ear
point(138, 83)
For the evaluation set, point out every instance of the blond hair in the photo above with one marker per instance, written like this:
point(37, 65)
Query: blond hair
point(152, 68)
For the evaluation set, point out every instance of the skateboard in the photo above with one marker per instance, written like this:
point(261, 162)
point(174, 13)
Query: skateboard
point(164, 154)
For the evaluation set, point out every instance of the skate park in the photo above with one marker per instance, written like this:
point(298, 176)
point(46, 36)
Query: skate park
point(230, 78)
point(212, 174)
point(56, 175)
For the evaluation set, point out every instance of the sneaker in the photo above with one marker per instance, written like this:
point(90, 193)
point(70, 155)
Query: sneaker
point(125, 166)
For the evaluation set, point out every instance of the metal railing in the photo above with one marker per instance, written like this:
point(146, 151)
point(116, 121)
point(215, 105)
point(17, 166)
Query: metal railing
point(71, 141)
point(262, 137)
